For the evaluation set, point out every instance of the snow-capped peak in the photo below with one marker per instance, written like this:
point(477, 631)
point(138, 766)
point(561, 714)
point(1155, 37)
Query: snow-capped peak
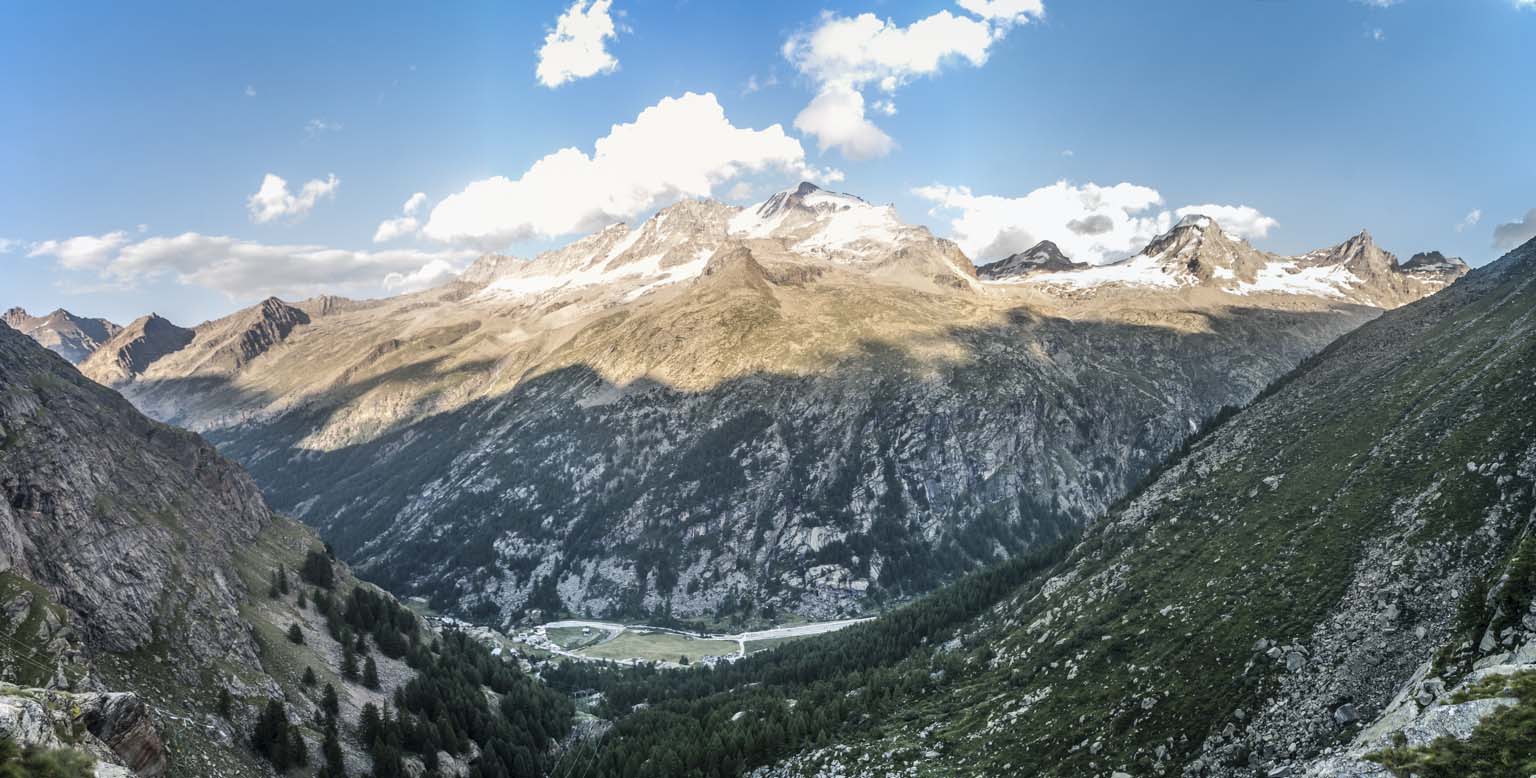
point(834, 225)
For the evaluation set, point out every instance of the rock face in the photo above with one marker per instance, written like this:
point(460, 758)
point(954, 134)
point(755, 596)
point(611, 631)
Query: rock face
point(1316, 580)
point(794, 406)
point(127, 523)
point(116, 729)
point(1043, 257)
point(70, 336)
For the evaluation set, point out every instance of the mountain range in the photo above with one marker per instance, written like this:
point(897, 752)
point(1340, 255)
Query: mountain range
point(1336, 581)
point(802, 406)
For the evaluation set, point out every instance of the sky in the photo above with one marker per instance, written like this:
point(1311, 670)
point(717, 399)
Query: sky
point(192, 158)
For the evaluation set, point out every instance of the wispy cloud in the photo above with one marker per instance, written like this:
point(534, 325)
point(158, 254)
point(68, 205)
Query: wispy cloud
point(273, 200)
point(250, 90)
point(318, 126)
point(403, 225)
point(244, 268)
point(577, 46)
point(1470, 220)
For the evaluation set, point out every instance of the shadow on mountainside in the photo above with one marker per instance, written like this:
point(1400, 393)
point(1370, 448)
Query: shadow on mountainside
point(883, 477)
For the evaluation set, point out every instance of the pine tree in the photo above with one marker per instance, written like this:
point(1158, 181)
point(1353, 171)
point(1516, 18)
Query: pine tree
point(273, 590)
point(348, 662)
point(369, 723)
point(270, 738)
point(282, 579)
point(329, 702)
point(330, 749)
point(225, 703)
point(295, 635)
point(303, 601)
point(298, 751)
point(309, 676)
point(370, 674)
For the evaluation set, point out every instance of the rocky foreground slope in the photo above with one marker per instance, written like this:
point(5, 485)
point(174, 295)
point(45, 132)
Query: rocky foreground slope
point(806, 405)
point(1338, 581)
point(151, 609)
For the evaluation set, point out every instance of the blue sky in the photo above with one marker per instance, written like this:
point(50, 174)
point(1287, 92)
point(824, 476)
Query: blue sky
point(1321, 117)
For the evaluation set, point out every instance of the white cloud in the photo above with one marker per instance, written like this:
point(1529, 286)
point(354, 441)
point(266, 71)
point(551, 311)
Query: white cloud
point(434, 273)
point(85, 251)
point(680, 147)
point(242, 268)
point(250, 91)
point(844, 56)
point(1236, 220)
point(1473, 216)
point(836, 118)
point(1376, 34)
point(576, 47)
point(1525, 3)
point(315, 127)
point(390, 229)
point(273, 200)
point(1383, 3)
point(755, 84)
point(1511, 234)
point(6, 245)
point(1090, 223)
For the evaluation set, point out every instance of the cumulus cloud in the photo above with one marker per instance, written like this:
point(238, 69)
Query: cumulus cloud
point(1090, 223)
point(85, 251)
point(1237, 220)
point(836, 118)
point(576, 48)
point(243, 268)
point(1472, 218)
point(434, 273)
point(1511, 234)
point(680, 147)
point(844, 56)
point(405, 224)
point(273, 200)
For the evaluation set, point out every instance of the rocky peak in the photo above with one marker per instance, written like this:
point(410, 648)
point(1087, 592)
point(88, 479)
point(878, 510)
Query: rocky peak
point(1043, 257)
point(133, 349)
point(1434, 262)
point(489, 267)
point(264, 326)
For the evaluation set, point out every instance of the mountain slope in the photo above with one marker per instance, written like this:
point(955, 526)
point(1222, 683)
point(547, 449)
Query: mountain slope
point(803, 406)
point(70, 336)
point(1341, 567)
point(135, 559)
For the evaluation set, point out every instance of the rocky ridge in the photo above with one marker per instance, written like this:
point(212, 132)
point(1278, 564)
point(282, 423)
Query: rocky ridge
point(70, 336)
